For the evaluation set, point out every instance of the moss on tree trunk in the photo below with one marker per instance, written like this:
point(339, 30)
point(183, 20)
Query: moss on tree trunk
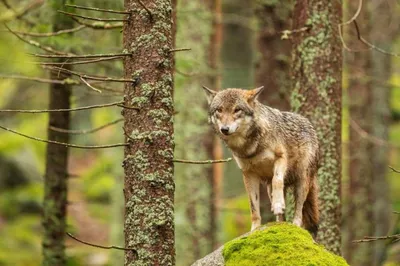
point(149, 185)
point(317, 92)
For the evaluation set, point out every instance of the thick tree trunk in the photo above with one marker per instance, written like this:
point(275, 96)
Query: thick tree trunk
point(272, 68)
point(317, 92)
point(358, 221)
point(149, 185)
point(55, 181)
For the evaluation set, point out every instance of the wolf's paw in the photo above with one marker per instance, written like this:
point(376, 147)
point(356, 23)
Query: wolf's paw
point(297, 221)
point(278, 208)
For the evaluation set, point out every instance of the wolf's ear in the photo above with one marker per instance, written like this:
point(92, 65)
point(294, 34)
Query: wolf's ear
point(210, 94)
point(253, 94)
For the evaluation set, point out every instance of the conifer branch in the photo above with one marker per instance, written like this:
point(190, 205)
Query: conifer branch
point(100, 25)
point(50, 34)
point(82, 56)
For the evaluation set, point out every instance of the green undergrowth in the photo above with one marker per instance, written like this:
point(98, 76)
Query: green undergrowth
point(278, 244)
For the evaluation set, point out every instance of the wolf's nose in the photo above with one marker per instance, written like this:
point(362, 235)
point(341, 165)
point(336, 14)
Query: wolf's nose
point(225, 130)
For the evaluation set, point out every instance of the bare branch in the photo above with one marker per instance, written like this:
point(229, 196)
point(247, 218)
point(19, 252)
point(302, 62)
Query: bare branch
point(82, 75)
point(81, 56)
point(67, 81)
point(99, 9)
point(91, 18)
point(78, 62)
point(179, 50)
point(85, 131)
point(360, 2)
point(370, 45)
point(364, 134)
point(286, 33)
point(395, 212)
point(375, 238)
point(65, 144)
point(100, 25)
point(202, 162)
point(36, 44)
point(98, 246)
point(90, 86)
point(66, 110)
point(394, 170)
point(20, 12)
point(50, 34)
point(147, 10)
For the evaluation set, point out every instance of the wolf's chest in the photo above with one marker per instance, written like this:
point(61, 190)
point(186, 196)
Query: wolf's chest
point(261, 165)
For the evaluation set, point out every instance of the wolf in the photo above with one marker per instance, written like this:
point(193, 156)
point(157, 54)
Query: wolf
point(274, 148)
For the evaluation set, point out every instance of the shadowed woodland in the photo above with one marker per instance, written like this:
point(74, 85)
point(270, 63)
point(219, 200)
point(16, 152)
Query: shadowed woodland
point(106, 153)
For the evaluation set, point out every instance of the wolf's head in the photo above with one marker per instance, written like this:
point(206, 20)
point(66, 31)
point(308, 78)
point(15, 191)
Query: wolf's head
point(231, 111)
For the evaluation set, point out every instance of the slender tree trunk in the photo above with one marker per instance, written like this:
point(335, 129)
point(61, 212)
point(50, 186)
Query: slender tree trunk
point(359, 197)
point(317, 92)
point(55, 182)
point(215, 150)
point(149, 185)
point(237, 56)
point(272, 68)
point(382, 35)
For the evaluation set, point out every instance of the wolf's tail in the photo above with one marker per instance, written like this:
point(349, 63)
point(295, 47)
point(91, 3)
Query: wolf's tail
point(310, 210)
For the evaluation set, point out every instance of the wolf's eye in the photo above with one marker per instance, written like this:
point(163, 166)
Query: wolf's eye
point(237, 110)
point(219, 110)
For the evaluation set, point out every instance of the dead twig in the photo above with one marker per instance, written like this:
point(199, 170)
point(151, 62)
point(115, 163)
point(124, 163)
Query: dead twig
point(85, 131)
point(394, 170)
point(85, 76)
point(50, 34)
point(37, 44)
point(42, 80)
point(81, 56)
point(65, 144)
point(202, 162)
point(145, 8)
point(395, 238)
point(78, 62)
point(99, 9)
point(91, 18)
point(100, 25)
point(20, 12)
point(65, 110)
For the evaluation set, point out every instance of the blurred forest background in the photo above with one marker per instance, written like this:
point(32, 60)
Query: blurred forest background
point(233, 44)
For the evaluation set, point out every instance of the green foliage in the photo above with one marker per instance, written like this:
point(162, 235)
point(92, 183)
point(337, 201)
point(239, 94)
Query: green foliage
point(236, 219)
point(280, 244)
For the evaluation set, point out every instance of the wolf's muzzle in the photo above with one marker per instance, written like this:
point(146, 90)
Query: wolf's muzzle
point(224, 130)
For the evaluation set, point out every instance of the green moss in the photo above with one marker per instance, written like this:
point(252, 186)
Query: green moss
point(279, 244)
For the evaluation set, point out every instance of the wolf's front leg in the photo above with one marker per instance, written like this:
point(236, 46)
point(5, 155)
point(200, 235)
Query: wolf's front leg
point(252, 184)
point(278, 198)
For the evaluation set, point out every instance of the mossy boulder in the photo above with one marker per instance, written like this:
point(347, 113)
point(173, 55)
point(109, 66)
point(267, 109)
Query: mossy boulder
point(277, 244)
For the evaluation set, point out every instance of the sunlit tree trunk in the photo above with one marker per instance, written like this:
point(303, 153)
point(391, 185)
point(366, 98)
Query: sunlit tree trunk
point(56, 175)
point(317, 92)
point(149, 185)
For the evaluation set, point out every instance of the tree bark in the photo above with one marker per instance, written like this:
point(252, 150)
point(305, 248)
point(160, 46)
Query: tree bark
point(149, 185)
point(317, 92)
point(56, 173)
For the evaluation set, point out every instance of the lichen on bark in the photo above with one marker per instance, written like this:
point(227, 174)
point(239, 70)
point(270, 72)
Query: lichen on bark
point(316, 84)
point(149, 185)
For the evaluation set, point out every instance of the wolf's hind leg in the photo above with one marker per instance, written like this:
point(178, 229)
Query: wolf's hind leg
point(252, 184)
point(301, 191)
point(278, 197)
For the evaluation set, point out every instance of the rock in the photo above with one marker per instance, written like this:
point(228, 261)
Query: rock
point(277, 244)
